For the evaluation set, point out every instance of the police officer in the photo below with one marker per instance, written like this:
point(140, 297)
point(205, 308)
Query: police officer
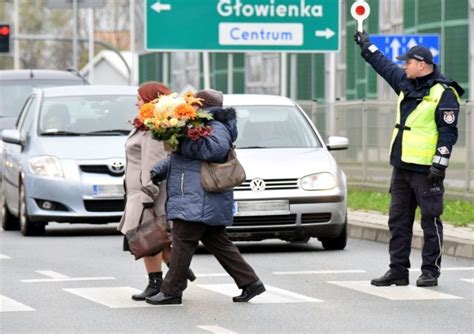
point(422, 142)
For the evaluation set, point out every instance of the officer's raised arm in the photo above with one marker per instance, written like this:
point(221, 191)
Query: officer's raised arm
point(388, 70)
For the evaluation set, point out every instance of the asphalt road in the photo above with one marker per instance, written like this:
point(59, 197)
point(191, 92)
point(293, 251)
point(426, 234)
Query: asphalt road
point(77, 280)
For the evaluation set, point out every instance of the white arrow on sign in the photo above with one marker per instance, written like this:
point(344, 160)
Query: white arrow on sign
point(434, 52)
point(395, 46)
point(158, 6)
point(328, 33)
point(411, 43)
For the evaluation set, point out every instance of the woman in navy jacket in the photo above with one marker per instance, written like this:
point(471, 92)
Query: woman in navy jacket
point(199, 215)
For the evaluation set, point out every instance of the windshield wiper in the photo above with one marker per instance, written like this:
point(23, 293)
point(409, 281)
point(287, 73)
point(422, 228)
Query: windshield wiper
point(106, 132)
point(61, 133)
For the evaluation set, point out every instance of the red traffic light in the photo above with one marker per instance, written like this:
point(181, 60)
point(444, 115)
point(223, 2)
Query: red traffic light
point(4, 30)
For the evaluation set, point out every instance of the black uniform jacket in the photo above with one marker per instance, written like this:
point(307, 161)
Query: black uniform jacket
point(414, 90)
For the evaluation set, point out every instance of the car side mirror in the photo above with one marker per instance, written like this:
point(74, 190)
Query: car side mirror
point(12, 136)
point(336, 143)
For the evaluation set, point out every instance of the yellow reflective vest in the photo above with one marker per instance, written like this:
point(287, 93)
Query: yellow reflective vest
point(420, 133)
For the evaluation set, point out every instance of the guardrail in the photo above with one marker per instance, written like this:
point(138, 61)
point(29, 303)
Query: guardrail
point(369, 124)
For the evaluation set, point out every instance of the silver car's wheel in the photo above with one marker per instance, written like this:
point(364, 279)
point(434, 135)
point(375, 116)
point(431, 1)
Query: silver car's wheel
point(337, 243)
point(27, 228)
point(9, 221)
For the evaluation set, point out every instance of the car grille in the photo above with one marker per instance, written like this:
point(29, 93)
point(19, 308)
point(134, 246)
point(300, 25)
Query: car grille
point(311, 218)
point(98, 169)
point(105, 205)
point(276, 184)
point(265, 220)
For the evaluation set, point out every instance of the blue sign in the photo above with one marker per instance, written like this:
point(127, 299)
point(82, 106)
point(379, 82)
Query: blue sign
point(395, 45)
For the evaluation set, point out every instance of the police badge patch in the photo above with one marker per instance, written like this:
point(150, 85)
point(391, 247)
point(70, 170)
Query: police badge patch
point(448, 117)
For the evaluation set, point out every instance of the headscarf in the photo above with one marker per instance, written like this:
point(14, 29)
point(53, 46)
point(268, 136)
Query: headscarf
point(150, 90)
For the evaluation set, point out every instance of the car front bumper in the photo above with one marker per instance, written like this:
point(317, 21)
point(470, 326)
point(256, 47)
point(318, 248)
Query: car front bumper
point(74, 198)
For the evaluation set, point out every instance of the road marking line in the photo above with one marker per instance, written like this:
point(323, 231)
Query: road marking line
point(315, 272)
point(113, 297)
point(58, 277)
point(449, 269)
point(394, 293)
point(212, 275)
point(72, 279)
point(51, 274)
point(470, 280)
point(4, 257)
point(216, 329)
point(271, 296)
point(11, 305)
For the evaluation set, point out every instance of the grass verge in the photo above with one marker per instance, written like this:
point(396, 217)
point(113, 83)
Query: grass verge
point(456, 212)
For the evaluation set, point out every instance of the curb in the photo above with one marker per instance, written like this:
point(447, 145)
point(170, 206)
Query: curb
point(458, 241)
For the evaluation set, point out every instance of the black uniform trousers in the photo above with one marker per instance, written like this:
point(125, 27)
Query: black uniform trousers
point(408, 190)
point(186, 237)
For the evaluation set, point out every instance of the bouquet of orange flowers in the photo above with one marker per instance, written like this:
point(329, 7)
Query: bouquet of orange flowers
point(172, 118)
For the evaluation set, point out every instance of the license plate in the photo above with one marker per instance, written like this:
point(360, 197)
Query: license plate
point(261, 208)
point(108, 190)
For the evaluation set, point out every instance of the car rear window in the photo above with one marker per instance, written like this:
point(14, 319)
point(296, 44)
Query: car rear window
point(273, 127)
point(13, 93)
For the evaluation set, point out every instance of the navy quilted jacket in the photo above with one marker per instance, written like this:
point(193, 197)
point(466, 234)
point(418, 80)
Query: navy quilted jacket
point(187, 200)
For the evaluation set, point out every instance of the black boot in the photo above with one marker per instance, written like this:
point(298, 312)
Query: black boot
point(391, 277)
point(153, 287)
point(191, 277)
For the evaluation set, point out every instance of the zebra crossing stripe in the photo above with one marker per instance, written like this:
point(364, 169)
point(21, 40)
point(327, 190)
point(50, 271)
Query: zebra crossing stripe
point(113, 297)
point(272, 295)
point(58, 277)
point(317, 272)
point(394, 292)
point(470, 280)
point(216, 329)
point(4, 257)
point(11, 305)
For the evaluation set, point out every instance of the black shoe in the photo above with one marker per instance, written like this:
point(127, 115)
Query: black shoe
point(427, 279)
point(191, 276)
point(390, 278)
point(163, 299)
point(249, 291)
point(153, 287)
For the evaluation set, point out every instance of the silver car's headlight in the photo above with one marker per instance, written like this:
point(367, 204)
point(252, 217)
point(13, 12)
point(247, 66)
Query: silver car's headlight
point(45, 166)
point(319, 181)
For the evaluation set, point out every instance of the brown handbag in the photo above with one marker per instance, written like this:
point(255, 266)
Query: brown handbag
point(218, 177)
point(149, 238)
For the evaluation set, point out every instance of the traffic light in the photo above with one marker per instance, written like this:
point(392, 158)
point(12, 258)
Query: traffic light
point(4, 38)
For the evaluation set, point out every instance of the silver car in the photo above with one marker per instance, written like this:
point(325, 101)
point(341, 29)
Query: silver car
point(294, 189)
point(65, 159)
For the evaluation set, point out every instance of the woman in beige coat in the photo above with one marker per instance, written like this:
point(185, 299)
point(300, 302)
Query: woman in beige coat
point(142, 153)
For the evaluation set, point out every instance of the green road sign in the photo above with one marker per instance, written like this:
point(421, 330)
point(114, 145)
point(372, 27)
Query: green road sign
point(242, 25)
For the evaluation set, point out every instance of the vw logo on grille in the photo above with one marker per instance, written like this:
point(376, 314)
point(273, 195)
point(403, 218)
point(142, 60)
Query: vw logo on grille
point(117, 167)
point(257, 185)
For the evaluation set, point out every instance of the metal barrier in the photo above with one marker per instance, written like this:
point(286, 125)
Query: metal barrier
point(369, 124)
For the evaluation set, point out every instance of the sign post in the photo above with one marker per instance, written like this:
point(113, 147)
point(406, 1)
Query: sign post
point(243, 25)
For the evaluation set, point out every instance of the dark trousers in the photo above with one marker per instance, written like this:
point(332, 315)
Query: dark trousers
point(408, 191)
point(186, 237)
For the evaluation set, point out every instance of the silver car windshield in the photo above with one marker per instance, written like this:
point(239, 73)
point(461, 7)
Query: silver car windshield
point(273, 127)
point(13, 93)
point(87, 115)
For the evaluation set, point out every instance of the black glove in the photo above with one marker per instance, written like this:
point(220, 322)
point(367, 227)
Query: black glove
point(154, 178)
point(361, 38)
point(436, 174)
point(148, 205)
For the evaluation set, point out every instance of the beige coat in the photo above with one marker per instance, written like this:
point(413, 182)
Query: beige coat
point(142, 152)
